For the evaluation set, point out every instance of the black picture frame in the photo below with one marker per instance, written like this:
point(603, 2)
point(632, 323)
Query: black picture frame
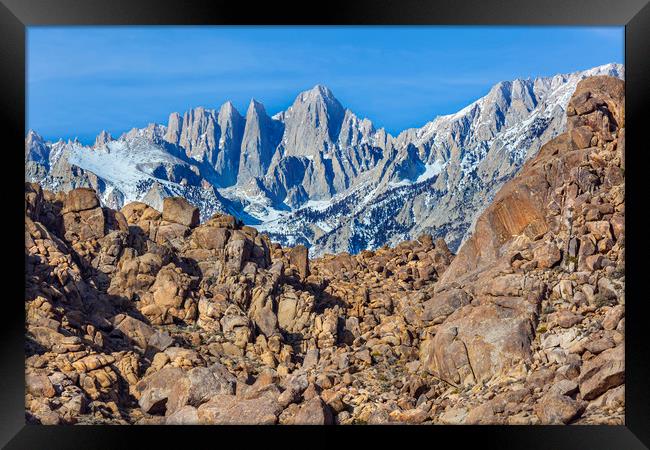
point(16, 15)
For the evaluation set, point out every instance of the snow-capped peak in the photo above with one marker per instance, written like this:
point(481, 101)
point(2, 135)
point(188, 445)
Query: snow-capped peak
point(318, 166)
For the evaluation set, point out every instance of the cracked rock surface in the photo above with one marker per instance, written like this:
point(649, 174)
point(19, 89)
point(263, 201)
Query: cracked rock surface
point(141, 316)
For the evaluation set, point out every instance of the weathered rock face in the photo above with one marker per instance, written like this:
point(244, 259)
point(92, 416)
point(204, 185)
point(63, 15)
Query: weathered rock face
point(603, 372)
point(521, 208)
point(475, 343)
point(179, 210)
point(544, 253)
point(80, 200)
point(138, 316)
point(260, 139)
point(299, 258)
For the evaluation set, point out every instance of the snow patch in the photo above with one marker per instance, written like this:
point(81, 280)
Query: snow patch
point(430, 171)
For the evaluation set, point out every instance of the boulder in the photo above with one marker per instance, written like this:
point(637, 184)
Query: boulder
point(187, 415)
point(412, 416)
point(170, 232)
point(287, 308)
point(133, 330)
point(154, 390)
point(219, 220)
point(170, 287)
point(603, 372)
point(312, 412)
point(295, 386)
point(199, 385)
point(581, 136)
point(443, 304)
point(80, 199)
point(39, 385)
point(299, 257)
point(547, 255)
point(554, 409)
point(84, 225)
point(210, 237)
point(237, 251)
point(232, 410)
point(564, 319)
point(33, 200)
point(477, 342)
point(613, 317)
point(179, 210)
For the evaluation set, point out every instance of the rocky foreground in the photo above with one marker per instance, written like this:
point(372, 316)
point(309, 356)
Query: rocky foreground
point(142, 317)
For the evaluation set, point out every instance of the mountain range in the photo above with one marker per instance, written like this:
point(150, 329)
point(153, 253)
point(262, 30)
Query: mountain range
point(144, 316)
point(317, 174)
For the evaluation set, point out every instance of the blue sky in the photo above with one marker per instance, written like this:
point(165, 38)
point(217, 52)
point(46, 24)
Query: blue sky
point(81, 80)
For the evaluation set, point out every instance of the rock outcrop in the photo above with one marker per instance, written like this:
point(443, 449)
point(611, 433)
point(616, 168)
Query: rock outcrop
point(545, 267)
point(142, 316)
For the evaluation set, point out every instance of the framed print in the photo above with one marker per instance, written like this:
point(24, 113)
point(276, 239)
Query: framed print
point(406, 214)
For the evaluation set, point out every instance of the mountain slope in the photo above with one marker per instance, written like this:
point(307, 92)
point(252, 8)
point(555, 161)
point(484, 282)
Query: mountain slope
point(316, 173)
point(142, 316)
point(439, 177)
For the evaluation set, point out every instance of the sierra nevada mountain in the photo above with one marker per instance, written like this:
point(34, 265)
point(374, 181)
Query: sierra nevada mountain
point(316, 173)
point(145, 316)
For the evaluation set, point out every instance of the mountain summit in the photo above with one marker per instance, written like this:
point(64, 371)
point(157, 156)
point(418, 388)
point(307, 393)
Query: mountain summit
point(148, 316)
point(316, 173)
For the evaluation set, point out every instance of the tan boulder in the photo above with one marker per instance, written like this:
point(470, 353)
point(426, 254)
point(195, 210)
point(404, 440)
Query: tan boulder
point(603, 372)
point(211, 237)
point(581, 136)
point(128, 366)
point(134, 331)
point(179, 210)
point(231, 410)
point(478, 342)
point(187, 415)
point(311, 412)
point(169, 232)
point(198, 386)
point(613, 317)
point(136, 212)
point(299, 257)
point(142, 216)
point(547, 255)
point(219, 220)
point(45, 337)
point(135, 275)
point(33, 200)
point(564, 319)
point(80, 199)
point(92, 362)
point(443, 304)
point(412, 416)
point(84, 225)
point(39, 385)
point(554, 409)
point(237, 251)
point(482, 414)
point(287, 312)
point(154, 390)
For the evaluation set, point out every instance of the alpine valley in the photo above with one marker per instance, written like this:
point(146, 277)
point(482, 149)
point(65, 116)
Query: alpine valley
point(317, 174)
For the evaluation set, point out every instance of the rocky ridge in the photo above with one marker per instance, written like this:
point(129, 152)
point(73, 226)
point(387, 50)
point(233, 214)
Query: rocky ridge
point(316, 174)
point(146, 317)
